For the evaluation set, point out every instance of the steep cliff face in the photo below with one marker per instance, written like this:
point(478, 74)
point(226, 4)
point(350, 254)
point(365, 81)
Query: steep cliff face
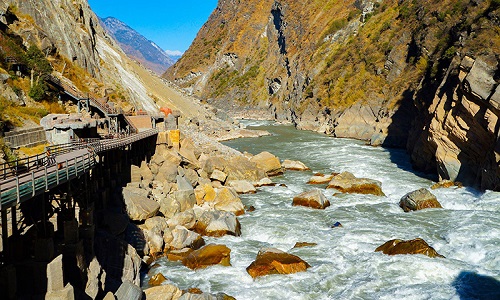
point(382, 71)
point(70, 29)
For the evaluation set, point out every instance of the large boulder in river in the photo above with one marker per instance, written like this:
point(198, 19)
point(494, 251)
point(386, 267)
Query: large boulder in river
point(319, 178)
point(415, 246)
point(268, 162)
point(314, 199)
point(348, 183)
point(207, 256)
point(273, 261)
point(294, 165)
point(242, 187)
point(217, 223)
point(139, 207)
point(419, 199)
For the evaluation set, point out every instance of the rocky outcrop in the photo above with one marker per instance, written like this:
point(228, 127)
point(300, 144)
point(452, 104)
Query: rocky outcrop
point(416, 246)
point(207, 256)
point(419, 199)
point(273, 261)
point(348, 183)
point(461, 137)
point(314, 199)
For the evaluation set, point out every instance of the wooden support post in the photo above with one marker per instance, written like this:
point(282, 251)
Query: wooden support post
point(14, 220)
point(5, 232)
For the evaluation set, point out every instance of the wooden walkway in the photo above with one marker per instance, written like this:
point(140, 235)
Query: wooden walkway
point(75, 162)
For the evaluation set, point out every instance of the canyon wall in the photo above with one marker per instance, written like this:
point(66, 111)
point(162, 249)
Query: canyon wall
point(415, 74)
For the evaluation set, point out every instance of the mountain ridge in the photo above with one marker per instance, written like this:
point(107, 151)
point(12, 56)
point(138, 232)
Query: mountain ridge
point(138, 47)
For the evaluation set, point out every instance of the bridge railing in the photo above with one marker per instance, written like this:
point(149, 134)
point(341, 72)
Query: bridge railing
point(68, 147)
point(20, 166)
point(19, 188)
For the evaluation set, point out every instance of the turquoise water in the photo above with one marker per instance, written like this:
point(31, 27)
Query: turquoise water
point(344, 264)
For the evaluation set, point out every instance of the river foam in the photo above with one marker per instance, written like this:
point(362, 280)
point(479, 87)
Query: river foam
point(343, 263)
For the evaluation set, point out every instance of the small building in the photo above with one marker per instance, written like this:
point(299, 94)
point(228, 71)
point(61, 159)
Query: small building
point(63, 128)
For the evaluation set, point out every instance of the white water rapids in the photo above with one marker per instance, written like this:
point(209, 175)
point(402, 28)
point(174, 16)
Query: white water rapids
point(344, 264)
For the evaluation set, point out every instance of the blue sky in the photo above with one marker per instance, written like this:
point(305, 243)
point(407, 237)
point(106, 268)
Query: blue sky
point(172, 25)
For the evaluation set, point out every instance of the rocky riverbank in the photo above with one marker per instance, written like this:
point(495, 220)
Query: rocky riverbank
point(176, 199)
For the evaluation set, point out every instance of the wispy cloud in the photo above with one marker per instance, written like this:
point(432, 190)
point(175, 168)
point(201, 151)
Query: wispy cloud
point(174, 52)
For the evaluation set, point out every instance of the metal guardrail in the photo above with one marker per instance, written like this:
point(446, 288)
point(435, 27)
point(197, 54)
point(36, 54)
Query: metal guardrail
point(19, 188)
point(25, 165)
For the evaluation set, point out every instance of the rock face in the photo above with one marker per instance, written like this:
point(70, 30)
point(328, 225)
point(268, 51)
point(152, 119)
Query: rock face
point(408, 89)
point(314, 199)
point(348, 183)
point(419, 199)
point(208, 256)
point(460, 139)
point(273, 261)
point(416, 246)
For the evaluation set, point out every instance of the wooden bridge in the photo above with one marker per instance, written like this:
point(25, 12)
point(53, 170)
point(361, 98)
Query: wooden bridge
point(91, 164)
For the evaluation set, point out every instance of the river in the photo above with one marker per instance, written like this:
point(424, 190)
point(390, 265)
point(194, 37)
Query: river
point(344, 264)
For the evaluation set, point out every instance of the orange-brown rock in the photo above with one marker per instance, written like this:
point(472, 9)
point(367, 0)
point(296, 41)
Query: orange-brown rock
point(445, 184)
point(207, 256)
point(419, 199)
point(196, 291)
point(319, 178)
point(157, 279)
point(348, 183)
point(179, 255)
point(313, 199)
point(304, 244)
point(416, 246)
point(274, 261)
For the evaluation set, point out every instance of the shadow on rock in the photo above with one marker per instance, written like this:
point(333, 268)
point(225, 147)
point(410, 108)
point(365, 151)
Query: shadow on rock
point(470, 285)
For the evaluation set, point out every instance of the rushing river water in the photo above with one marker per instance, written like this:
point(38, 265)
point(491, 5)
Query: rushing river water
point(344, 264)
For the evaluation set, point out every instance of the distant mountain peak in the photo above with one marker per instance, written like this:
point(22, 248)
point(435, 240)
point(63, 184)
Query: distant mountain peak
point(137, 46)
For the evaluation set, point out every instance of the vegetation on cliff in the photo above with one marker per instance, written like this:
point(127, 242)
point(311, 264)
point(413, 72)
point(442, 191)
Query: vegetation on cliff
point(372, 70)
point(335, 53)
